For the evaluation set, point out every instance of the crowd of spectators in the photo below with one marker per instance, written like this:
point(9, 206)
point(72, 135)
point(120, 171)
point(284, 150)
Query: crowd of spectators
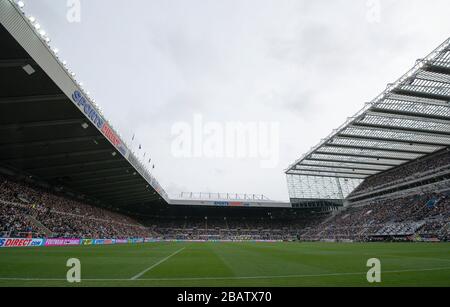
point(416, 169)
point(25, 209)
point(426, 214)
point(13, 220)
point(248, 228)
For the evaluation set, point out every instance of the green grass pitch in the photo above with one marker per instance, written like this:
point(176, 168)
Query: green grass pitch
point(229, 264)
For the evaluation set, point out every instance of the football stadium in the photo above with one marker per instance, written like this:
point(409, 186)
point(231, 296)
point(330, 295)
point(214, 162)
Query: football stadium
point(74, 194)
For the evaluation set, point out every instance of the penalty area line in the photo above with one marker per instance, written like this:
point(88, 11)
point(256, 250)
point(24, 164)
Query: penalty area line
point(223, 278)
point(156, 264)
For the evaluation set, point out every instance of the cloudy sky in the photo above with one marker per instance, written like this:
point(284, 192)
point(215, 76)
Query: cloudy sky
point(302, 65)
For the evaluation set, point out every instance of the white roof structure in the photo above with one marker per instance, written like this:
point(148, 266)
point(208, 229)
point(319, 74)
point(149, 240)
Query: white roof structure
point(408, 120)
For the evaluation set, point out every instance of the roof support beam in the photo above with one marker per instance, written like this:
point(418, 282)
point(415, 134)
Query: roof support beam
point(83, 164)
point(352, 162)
point(103, 178)
point(124, 190)
point(360, 155)
point(47, 123)
point(137, 180)
point(336, 171)
point(379, 112)
point(390, 140)
point(95, 172)
point(112, 197)
point(419, 100)
point(376, 148)
point(58, 156)
point(328, 175)
point(145, 193)
point(420, 94)
point(5, 63)
point(437, 69)
point(304, 163)
point(140, 201)
point(33, 99)
point(415, 133)
point(53, 142)
point(137, 183)
point(134, 198)
point(403, 129)
point(427, 76)
point(131, 202)
point(131, 197)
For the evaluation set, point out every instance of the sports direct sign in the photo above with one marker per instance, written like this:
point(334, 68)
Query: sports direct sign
point(84, 105)
point(17, 242)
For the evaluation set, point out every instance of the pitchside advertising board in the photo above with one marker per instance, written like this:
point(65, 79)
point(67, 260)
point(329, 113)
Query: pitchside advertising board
point(17, 242)
point(25, 242)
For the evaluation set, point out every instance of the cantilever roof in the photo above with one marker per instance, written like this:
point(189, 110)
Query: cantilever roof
point(52, 130)
point(410, 119)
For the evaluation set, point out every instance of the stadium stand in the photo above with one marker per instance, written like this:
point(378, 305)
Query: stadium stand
point(27, 210)
point(421, 168)
point(420, 211)
point(422, 214)
point(383, 175)
point(30, 210)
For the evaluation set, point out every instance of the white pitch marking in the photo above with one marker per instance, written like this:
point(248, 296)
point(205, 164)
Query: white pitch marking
point(222, 278)
point(156, 264)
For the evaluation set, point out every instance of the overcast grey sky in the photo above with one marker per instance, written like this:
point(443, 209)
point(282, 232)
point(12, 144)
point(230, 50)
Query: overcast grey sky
point(307, 65)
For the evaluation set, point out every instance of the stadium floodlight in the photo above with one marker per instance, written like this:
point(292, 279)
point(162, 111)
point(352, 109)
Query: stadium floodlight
point(55, 50)
point(32, 19)
point(20, 4)
point(37, 26)
point(85, 125)
point(28, 69)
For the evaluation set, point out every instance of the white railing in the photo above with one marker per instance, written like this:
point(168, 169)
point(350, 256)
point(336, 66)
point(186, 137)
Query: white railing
point(221, 196)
